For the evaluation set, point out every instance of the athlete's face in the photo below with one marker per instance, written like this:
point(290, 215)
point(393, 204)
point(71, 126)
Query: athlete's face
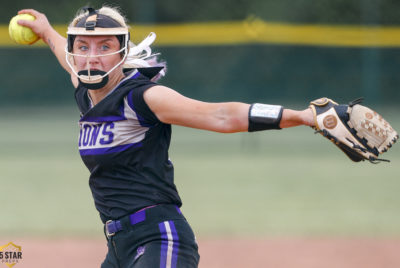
point(96, 47)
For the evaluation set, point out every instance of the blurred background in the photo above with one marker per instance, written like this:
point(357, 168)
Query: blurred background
point(276, 183)
point(234, 50)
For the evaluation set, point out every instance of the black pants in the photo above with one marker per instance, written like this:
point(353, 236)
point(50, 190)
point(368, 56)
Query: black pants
point(163, 239)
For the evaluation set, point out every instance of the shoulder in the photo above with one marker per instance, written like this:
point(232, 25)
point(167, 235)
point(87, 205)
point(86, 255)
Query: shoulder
point(158, 94)
point(135, 96)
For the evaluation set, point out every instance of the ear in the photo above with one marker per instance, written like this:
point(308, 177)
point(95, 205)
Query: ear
point(123, 53)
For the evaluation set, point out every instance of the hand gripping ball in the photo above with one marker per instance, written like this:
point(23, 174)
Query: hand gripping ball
point(21, 34)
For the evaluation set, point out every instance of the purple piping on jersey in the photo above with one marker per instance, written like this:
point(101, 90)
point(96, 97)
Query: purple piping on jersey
point(139, 117)
point(136, 75)
point(110, 118)
point(110, 150)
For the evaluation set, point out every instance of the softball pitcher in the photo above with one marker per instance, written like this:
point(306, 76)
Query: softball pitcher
point(125, 133)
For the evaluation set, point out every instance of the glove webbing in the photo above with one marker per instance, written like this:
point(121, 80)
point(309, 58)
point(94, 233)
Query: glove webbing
point(350, 153)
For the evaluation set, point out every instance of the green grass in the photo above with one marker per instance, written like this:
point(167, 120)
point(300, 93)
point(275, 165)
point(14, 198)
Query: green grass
point(275, 183)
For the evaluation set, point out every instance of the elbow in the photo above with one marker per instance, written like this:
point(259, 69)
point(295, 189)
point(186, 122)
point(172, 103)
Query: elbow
point(232, 125)
point(228, 121)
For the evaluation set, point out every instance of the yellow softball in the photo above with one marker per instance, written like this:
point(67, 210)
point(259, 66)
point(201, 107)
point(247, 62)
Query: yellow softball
point(21, 34)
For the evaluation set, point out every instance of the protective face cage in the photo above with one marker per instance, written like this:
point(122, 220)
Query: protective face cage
point(95, 24)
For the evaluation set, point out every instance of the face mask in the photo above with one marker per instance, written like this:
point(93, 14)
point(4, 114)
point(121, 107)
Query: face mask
point(94, 79)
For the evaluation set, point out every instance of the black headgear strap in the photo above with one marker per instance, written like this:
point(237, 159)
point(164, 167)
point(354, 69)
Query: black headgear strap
point(94, 19)
point(100, 20)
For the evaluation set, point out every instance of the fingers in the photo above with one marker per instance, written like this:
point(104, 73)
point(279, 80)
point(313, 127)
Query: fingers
point(29, 11)
point(40, 25)
point(28, 23)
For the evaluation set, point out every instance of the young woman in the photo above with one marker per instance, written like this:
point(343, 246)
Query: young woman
point(125, 132)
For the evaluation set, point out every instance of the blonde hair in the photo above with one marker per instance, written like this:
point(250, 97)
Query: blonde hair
point(139, 56)
point(112, 12)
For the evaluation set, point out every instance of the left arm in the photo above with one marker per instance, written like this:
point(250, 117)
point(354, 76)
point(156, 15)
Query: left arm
point(172, 108)
point(293, 118)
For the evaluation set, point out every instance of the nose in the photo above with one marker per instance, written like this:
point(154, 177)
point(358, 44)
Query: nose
point(92, 52)
point(92, 57)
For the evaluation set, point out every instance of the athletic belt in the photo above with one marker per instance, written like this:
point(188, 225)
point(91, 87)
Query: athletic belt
point(114, 226)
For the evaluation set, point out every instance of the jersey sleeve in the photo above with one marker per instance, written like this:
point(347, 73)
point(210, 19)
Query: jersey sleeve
point(139, 106)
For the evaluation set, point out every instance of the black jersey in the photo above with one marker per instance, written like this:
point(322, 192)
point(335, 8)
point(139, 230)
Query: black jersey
point(125, 148)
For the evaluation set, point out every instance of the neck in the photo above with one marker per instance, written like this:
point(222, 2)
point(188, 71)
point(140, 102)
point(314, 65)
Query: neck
point(98, 94)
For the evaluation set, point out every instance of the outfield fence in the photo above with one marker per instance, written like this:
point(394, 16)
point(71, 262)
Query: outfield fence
point(247, 59)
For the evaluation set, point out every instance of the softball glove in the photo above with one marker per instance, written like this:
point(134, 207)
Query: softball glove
point(361, 133)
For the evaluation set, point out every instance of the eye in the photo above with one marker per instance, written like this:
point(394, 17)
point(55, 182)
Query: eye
point(105, 47)
point(83, 48)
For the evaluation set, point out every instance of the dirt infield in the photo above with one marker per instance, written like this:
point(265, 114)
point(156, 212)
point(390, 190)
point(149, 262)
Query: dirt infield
point(232, 253)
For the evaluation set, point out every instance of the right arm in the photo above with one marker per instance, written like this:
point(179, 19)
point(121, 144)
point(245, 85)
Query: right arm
point(51, 37)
